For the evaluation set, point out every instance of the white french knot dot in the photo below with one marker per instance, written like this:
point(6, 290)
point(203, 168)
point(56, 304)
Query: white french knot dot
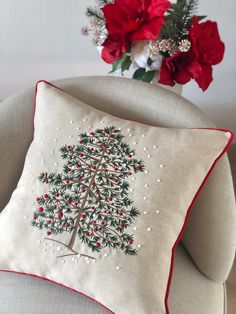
point(71, 121)
point(158, 180)
point(149, 156)
point(154, 146)
point(139, 246)
point(134, 143)
point(84, 119)
point(149, 229)
point(146, 185)
point(134, 228)
point(162, 166)
point(145, 212)
point(143, 135)
point(54, 140)
point(157, 211)
point(146, 171)
point(118, 267)
point(130, 135)
point(145, 198)
point(145, 148)
point(52, 151)
point(62, 261)
point(101, 121)
point(128, 130)
point(57, 129)
point(70, 136)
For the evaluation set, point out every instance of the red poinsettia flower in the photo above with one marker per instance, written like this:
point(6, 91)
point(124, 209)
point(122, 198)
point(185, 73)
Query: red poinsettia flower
point(131, 20)
point(206, 50)
point(114, 47)
point(180, 68)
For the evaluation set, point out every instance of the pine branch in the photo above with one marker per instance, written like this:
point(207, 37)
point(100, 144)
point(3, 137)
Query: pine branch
point(179, 15)
point(93, 12)
point(102, 3)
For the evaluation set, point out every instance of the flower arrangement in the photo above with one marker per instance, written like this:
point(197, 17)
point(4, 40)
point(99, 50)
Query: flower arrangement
point(163, 41)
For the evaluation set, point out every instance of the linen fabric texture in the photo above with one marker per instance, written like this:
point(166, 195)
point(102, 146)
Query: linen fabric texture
point(176, 164)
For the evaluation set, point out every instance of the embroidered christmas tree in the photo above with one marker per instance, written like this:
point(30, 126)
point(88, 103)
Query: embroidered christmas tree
point(89, 199)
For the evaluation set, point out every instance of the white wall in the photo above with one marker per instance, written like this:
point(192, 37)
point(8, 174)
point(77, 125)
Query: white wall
point(42, 40)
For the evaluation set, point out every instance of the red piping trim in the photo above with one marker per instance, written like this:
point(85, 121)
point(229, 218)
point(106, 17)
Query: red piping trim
point(189, 211)
point(59, 284)
point(182, 229)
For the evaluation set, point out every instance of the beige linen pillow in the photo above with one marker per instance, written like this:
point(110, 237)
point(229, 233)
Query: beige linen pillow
point(102, 202)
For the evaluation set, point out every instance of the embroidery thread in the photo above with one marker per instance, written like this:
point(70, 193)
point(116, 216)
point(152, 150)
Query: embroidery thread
point(89, 199)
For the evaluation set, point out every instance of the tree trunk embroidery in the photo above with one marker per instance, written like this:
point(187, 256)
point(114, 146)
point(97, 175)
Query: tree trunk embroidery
point(90, 198)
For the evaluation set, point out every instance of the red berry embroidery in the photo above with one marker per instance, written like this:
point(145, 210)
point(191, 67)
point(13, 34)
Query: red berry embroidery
point(98, 244)
point(60, 214)
point(46, 196)
point(40, 210)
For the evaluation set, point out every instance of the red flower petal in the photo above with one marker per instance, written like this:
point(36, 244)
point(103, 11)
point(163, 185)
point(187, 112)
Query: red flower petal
point(205, 78)
point(131, 20)
point(206, 42)
point(113, 48)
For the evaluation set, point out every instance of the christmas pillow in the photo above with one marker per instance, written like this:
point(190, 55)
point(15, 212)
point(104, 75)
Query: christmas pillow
point(102, 202)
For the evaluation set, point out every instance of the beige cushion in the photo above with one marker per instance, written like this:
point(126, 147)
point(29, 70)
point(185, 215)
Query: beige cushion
point(181, 158)
point(191, 293)
point(161, 108)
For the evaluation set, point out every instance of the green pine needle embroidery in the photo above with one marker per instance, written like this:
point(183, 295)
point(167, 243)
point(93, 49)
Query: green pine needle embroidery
point(89, 199)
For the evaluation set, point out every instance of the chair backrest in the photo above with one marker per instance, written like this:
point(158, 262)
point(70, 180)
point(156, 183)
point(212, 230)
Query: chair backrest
point(210, 237)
